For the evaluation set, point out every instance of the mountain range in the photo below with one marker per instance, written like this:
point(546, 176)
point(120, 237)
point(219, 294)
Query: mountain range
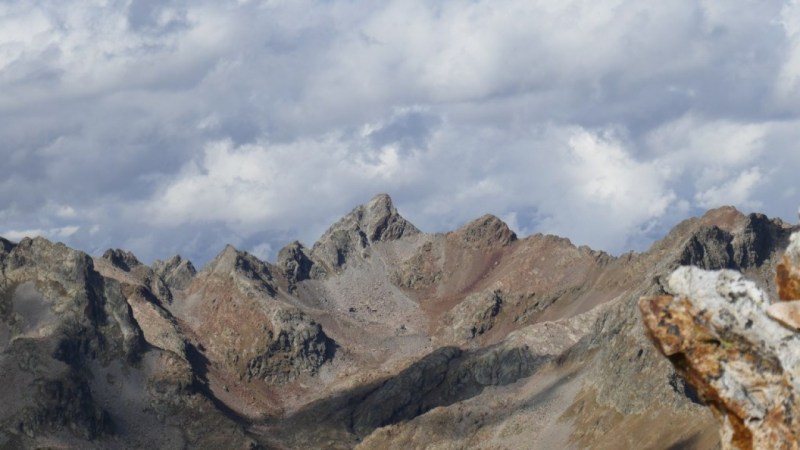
point(378, 336)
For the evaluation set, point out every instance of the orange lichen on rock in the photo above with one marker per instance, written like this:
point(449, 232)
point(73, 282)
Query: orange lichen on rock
point(787, 276)
point(787, 280)
point(716, 331)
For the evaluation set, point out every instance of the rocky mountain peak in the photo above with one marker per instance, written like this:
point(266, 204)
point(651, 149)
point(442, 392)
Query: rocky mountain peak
point(176, 272)
point(121, 259)
point(724, 217)
point(377, 220)
point(487, 230)
point(383, 222)
point(51, 257)
point(231, 262)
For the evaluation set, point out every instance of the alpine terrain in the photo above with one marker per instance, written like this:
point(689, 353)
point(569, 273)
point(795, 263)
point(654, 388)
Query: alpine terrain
point(378, 336)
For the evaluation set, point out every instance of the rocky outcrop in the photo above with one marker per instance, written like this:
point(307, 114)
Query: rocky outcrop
point(243, 324)
point(176, 272)
point(376, 221)
point(122, 259)
point(250, 273)
point(736, 346)
point(58, 315)
point(486, 231)
point(474, 316)
point(297, 265)
point(93, 358)
point(297, 346)
point(157, 325)
point(709, 247)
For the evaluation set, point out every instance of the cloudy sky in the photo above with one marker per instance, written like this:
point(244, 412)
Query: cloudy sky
point(170, 127)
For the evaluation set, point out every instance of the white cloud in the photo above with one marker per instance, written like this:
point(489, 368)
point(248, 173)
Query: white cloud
point(604, 194)
point(52, 233)
point(737, 192)
point(254, 186)
point(175, 126)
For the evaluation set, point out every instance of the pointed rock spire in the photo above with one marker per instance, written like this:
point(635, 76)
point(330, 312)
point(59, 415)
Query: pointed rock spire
point(176, 272)
point(121, 259)
point(377, 220)
point(236, 263)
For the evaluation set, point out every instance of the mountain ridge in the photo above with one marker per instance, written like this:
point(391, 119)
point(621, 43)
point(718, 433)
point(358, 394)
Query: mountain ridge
point(379, 336)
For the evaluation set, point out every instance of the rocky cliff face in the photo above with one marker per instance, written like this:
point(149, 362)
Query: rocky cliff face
point(93, 357)
point(377, 336)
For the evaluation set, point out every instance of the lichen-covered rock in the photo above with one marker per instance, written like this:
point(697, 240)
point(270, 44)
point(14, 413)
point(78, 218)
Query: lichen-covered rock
point(715, 329)
point(788, 271)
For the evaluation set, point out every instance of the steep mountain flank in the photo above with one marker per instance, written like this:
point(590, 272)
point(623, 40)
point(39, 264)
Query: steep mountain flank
point(377, 336)
point(84, 373)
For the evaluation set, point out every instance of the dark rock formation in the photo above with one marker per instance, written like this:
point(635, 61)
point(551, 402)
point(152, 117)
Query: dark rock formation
point(176, 272)
point(297, 266)
point(710, 247)
point(122, 259)
point(297, 346)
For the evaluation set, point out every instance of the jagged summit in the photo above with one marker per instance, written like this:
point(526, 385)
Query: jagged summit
point(121, 259)
point(243, 266)
point(487, 230)
point(231, 260)
point(176, 272)
point(377, 220)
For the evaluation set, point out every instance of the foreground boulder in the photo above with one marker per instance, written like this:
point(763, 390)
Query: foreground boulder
point(737, 347)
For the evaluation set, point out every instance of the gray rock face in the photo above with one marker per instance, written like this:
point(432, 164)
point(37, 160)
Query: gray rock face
point(84, 372)
point(6, 246)
point(376, 221)
point(714, 248)
point(297, 266)
point(710, 247)
point(122, 259)
point(759, 236)
point(59, 315)
point(176, 272)
point(297, 347)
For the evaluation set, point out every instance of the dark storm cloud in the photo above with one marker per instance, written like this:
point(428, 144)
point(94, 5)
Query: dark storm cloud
point(175, 127)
